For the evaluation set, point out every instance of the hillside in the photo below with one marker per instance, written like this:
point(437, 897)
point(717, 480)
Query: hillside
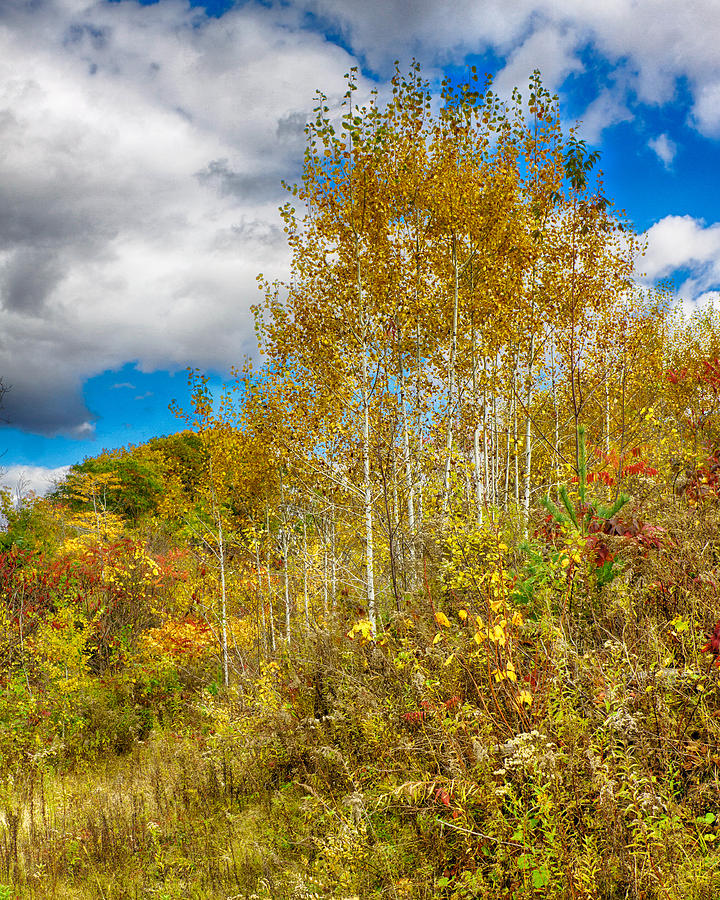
point(425, 604)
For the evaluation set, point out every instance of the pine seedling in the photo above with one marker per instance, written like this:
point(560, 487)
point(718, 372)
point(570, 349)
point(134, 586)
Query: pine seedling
point(587, 509)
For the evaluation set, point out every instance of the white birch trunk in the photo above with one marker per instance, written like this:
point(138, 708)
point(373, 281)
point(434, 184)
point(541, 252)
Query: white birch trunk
point(333, 564)
point(495, 448)
point(515, 437)
point(367, 484)
point(260, 598)
point(271, 612)
point(286, 584)
point(528, 434)
point(325, 569)
point(508, 408)
point(223, 595)
point(409, 479)
point(305, 576)
point(367, 490)
point(479, 479)
point(451, 377)
point(556, 413)
point(607, 416)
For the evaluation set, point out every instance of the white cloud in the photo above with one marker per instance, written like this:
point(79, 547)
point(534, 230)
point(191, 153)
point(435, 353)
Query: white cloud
point(384, 30)
point(687, 245)
point(706, 113)
point(658, 42)
point(551, 50)
point(608, 108)
point(709, 298)
point(664, 148)
point(23, 481)
point(142, 147)
point(113, 247)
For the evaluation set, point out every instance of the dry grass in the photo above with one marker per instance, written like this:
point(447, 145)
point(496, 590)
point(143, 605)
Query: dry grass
point(403, 770)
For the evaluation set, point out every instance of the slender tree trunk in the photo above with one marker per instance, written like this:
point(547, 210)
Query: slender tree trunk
point(528, 433)
point(451, 377)
point(325, 568)
point(223, 585)
point(607, 415)
point(556, 415)
point(305, 575)
point(333, 563)
point(223, 596)
point(367, 484)
point(479, 483)
point(409, 480)
point(396, 502)
point(271, 612)
point(420, 521)
point(486, 429)
point(260, 598)
point(367, 490)
point(495, 445)
point(479, 498)
point(469, 472)
point(398, 559)
point(515, 436)
point(286, 585)
point(508, 408)
point(623, 436)
point(286, 573)
point(420, 504)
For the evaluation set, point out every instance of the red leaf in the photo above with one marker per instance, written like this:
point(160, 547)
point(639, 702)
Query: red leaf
point(713, 643)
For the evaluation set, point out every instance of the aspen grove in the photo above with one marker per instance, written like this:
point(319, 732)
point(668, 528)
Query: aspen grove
point(461, 302)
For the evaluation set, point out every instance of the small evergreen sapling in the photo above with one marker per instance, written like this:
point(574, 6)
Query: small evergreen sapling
point(581, 515)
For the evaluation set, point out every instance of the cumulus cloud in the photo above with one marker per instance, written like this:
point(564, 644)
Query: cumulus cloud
point(24, 481)
point(381, 31)
point(660, 42)
point(706, 112)
point(689, 246)
point(709, 298)
point(608, 108)
point(142, 150)
point(551, 50)
point(664, 149)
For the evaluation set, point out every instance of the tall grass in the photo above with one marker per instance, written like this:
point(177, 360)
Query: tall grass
point(405, 768)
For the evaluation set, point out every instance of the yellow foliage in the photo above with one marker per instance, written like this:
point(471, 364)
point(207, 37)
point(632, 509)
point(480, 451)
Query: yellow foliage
point(59, 648)
point(179, 639)
point(362, 630)
point(92, 529)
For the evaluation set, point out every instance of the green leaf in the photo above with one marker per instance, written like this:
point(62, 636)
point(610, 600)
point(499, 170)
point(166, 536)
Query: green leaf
point(553, 510)
point(540, 878)
point(564, 496)
point(582, 463)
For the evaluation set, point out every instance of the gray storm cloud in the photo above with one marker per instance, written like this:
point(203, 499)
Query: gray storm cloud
point(28, 278)
point(141, 155)
point(246, 187)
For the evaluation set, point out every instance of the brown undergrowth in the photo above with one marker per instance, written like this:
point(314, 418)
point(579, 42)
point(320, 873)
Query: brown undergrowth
point(531, 729)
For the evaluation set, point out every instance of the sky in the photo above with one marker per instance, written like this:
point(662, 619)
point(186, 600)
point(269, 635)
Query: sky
point(143, 146)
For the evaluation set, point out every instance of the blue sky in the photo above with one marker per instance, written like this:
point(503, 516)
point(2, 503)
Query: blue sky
point(142, 146)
